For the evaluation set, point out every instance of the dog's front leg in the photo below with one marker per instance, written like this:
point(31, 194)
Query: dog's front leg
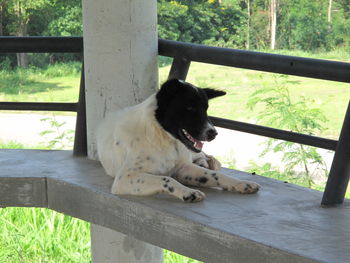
point(207, 161)
point(147, 184)
point(190, 174)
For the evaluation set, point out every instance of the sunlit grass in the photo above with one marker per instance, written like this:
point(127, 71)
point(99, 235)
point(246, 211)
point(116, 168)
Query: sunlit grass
point(34, 235)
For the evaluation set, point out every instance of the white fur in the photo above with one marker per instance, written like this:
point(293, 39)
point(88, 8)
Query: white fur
point(144, 159)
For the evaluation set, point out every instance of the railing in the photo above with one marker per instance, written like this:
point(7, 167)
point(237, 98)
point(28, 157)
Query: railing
point(51, 45)
point(183, 54)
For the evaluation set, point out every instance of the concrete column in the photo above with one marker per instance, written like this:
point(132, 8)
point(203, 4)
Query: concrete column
point(120, 55)
point(110, 247)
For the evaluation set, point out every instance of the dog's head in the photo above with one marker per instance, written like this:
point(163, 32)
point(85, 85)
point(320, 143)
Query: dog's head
point(182, 111)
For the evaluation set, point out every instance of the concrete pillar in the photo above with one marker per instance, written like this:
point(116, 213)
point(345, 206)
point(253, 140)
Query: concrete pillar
point(120, 56)
point(110, 247)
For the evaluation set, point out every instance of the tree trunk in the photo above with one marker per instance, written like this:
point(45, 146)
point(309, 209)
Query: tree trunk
point(273, 23)
point(248, 24)
point(22, 58)
point(330, 12)
point(1, 17)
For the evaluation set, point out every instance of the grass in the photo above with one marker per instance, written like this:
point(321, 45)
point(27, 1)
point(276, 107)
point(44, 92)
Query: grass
point(35, 235)
point(57, 83)
point(41, 235)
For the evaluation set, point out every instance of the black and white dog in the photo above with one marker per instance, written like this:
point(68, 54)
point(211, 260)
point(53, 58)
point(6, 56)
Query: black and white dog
point(155, 146)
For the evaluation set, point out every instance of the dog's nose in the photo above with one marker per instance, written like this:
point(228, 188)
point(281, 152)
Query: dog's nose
point(211, 134)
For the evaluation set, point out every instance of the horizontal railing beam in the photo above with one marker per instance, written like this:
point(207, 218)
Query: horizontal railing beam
point(291, 65)
point(39, 106)
point(41, 44)
point(276, 133)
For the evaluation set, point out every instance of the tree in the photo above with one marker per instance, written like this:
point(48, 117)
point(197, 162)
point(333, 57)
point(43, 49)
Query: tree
point(329, 12)
point(2, 10)
point(273, 23)
point(21, 12)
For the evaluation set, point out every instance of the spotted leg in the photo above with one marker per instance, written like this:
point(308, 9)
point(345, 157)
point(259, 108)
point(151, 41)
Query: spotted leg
point(194, 175)
point(144, 184)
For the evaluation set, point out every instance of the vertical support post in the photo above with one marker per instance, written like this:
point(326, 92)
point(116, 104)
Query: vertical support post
point(340, 170)
point(120, 59)
point(120, 55)
point(179, 68)
point(121, 248)
point(80, 141)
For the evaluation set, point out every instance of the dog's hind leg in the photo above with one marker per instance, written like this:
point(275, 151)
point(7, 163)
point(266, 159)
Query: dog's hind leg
point(190, 174)
point(144, 184)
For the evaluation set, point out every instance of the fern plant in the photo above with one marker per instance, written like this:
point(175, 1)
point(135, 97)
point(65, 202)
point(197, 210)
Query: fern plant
point(280, 111)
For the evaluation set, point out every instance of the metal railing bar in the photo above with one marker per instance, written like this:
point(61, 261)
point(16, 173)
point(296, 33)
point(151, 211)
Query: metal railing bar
point(339, 174)
point(291, 65)
point(80, 138)
point(276, 133)
point(39, 106)
point(41, 44)
point(179, 68)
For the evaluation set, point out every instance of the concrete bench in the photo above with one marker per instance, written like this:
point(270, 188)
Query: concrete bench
point(282, 223)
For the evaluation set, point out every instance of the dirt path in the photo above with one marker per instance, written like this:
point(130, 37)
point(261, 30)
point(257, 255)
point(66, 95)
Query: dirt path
point(26, 128)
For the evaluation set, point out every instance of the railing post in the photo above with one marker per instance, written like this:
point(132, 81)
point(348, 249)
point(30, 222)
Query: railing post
point(80, 139)
point(340, 170)
point(179, 68)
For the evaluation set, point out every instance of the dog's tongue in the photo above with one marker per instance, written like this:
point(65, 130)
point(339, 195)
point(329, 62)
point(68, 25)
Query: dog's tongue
point(198, 144)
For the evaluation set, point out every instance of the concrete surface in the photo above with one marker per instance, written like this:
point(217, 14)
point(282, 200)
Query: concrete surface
point(282, 223)
point(120, 57)
point(109, 246)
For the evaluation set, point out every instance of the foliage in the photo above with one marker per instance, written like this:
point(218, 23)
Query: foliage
point(280, 111)
point(40, 235)
point(200, 22)
point(11, 145)
point(28, 81)
point(61, 138)
point(20, 12)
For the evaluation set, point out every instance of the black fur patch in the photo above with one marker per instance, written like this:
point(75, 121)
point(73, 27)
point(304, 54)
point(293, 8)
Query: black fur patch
point(202, 179)
point(184, 106)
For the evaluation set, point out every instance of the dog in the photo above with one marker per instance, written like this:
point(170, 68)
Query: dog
point(156, 146)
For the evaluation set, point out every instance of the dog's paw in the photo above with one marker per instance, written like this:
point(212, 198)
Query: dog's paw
point(243, 187)
point(192, 196)
point(213, 163)
point(209, 162)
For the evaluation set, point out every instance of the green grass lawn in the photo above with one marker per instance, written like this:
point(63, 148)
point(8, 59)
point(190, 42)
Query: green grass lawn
point(37, 235)
point(40, 235)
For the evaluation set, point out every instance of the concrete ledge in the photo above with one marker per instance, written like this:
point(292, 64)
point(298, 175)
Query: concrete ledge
point(282, 223)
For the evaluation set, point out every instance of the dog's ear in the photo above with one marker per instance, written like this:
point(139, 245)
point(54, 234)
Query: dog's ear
point(169, 89)
point(213, 93)
point(170, 85)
